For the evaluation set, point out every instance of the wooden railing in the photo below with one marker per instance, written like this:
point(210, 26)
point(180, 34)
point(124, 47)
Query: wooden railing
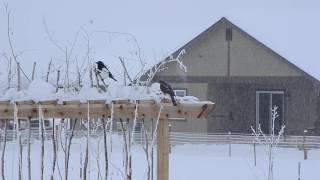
point(180, 138)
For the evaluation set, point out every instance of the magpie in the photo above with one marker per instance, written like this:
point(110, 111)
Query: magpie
point(167, 89)
point(103, 71)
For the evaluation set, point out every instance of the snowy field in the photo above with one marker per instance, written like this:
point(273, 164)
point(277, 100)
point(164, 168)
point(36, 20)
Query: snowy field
point(187, 162)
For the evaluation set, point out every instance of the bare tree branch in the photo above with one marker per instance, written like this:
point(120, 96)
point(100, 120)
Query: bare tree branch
point(8, 12)
point(125, 69)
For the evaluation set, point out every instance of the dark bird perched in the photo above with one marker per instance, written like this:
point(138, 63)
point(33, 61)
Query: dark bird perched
point(103, 71)
point(167, 89)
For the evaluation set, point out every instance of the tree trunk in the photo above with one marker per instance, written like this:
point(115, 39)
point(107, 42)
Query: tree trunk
point(126, 151)
point(146, 150)
point(68, 149)
point(105, 148)
point(129, 172)
point(4, 150)
point(85, 166)
point(54, 147)
point(29, 149)
point(42, 151)
point(20, 152)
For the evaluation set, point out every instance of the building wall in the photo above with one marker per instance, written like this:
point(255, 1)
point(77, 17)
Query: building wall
point(236, 103)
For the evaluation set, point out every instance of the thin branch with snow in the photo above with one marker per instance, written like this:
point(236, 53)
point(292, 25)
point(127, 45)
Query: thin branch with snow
point(162, 66)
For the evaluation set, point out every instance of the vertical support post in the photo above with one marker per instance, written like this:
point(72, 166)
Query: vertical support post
point(299, 170)
point(254, 153)
point(229, 140)
point(305, 151)
point(163, 149)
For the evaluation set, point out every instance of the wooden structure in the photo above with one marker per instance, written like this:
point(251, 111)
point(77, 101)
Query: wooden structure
point(122, 109)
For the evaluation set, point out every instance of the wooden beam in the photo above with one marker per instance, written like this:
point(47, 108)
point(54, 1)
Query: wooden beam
point(122, 109)
point(163, 150)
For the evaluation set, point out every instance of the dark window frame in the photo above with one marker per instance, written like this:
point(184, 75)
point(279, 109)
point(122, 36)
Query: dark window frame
point(180, 89)
point(229, 34)
point(271, 92)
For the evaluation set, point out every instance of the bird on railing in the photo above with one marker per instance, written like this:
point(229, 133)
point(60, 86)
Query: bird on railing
point(102, 71)
point(167, 89)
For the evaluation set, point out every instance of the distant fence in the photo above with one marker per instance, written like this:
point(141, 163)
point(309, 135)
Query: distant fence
point(301, 142)
point(179, 138)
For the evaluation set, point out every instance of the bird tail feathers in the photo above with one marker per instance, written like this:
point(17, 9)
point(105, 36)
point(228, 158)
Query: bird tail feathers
point(174, 102)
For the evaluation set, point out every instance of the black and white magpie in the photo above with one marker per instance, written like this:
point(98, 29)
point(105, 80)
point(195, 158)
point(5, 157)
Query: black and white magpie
point(167, 89)
point(103, 71)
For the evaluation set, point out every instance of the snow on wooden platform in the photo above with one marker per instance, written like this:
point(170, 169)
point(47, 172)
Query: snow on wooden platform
point(64, 104)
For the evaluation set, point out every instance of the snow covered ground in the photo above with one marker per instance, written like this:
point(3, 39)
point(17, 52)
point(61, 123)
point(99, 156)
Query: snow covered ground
point(187, 162)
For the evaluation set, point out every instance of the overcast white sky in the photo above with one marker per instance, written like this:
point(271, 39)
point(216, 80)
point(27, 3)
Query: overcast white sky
point(290, 27)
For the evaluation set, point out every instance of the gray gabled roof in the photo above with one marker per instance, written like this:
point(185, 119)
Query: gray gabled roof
point(226, 21)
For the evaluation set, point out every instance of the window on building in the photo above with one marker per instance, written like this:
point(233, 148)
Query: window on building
point(265, 101)
point(228, 34)
point(180, 92)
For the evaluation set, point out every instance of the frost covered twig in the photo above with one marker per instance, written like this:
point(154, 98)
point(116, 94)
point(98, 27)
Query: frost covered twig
point(161, 66)
point(142, 63)
point(271, 141)
point(67, 51)
point(126, 73)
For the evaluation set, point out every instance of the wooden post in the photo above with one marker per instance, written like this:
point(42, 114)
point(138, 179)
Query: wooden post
point(163, 150)
point(299, 170)
point(229, 140)
point(254, 153)
point(305, 151)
